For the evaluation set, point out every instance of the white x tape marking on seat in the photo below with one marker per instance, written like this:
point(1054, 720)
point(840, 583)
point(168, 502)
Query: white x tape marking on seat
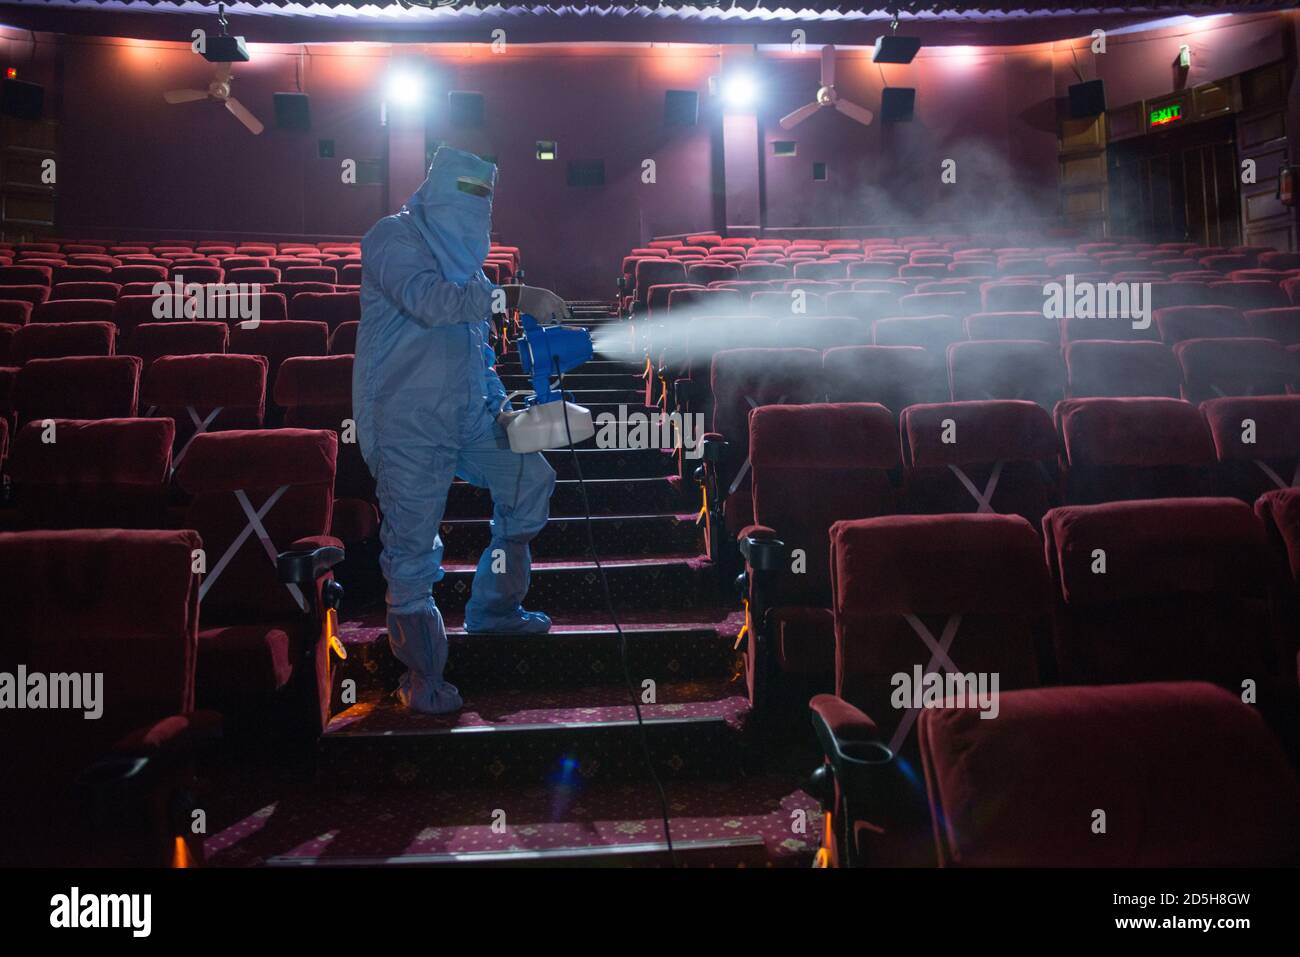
point(256, 527)
point(1277, 479)
point(939, 655)
point(200, 426)
point(984, 500)
point(744, 469)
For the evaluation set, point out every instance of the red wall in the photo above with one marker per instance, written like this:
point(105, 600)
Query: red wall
point(131, 163)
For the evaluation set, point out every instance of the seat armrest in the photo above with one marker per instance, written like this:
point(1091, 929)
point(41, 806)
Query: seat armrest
point(715, 447)
point(848, 737)
point(309, 559)
point(763, 551)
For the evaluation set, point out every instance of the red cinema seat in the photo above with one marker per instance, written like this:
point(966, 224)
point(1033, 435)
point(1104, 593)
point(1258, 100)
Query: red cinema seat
point(893, 376)
point(1279, 512)
point(821, 332)
point(74, 310)
point(821, 271)
point(705, 302)
point(873, 269)
point(84, 290)
point(1257, 443)
point(15, 312)
point(343, 340)
point(1177, 323)
point(1133, 448)
point(919, 594)
point(26, 276)
point(152, 340)
point(1183, 595)
point(331, 308)
point(77, 387)
point(1012, 297)
point(992, 456)
point(205, 393)
point(252, 275)
point(131, 619)
point(1171, 293)
point(33, 295)
point(1219, 367)
point(1012, 325)
point(278, 341)
point(102, 473)
point(307, 273)
point(958, 304)
point(1119, 329)
point(1254, 294)
point(64, 274)
point(843, 453)
point(932, 333)
point(202, 274)
point(742, 380)
point(316, 393)
point(350, 274)
point(1006, 369)
point(862, 304)
point(656, 272)
point(704, 273)
point(244, 262)
point(1282, 325)
point(53, 340)
point(1103, 368)
point(777, 305)
point(261, 645)
point(1227, 797)
point(137, 273)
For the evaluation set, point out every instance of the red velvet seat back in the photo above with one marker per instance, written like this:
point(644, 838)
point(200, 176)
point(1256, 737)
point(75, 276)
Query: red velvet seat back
point(1107, 368)
point(894, 376)
point(234, 384)
point(814, 465)
point(52, 340)
point(1182, 596)
point(78, 387)
point(1186, 774)
point(1012, 325)
point(331, 308)
point(742, 379)
point(1232, 367)
point(316, 393)
point(152, 340)
point(119, 603)
point(946, 442)
point(258, 463)
point(1006, 369)
point(102, 473)
point(1012, 297)
point(1177, 323)
point(655, 272)
point(1133, 448)
point(1257, 443)
point(987, 569)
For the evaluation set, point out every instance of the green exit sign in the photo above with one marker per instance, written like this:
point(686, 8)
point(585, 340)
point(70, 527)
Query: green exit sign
point(1166, 115)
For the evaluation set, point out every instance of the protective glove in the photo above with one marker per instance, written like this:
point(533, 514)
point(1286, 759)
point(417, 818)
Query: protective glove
point(543, 305)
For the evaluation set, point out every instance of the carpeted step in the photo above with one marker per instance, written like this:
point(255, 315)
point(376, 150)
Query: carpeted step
point(572, 654)
point(522, 737)
point(767, 821)
point(597, 463)
point(634, 583)
point(641, 535)
point(607, 496)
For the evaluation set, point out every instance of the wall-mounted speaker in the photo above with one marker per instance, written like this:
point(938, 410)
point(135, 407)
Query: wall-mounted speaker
point(292, 111)
point(1087, 99)
point(586, 173)
point(22, 99)
point(681, 107)
point(464, 109)
point(892, 48)
point(897, 103)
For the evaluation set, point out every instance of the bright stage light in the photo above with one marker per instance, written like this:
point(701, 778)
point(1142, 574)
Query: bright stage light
point(739, 90)
point(405, 88)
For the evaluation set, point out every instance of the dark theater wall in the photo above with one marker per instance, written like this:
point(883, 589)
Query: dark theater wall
point(129, 163)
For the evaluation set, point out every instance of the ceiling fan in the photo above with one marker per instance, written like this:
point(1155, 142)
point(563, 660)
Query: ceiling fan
point(826, 96)
point(219, 90)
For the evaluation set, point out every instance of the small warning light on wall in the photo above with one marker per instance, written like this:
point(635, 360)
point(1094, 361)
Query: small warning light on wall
point(1184, 56)
point(11, 73)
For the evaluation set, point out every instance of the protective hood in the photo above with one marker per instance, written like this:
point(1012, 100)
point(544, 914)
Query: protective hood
point(452, 214)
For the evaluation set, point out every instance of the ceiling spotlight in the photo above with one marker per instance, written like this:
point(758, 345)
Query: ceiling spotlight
point(739, 90)
point(405, 88)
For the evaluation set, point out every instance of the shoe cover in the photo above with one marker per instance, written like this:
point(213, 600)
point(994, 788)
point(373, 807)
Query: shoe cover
point(419, 641)
point(518, 622)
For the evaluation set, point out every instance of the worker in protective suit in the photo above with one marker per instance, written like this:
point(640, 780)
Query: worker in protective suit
point(429, 406)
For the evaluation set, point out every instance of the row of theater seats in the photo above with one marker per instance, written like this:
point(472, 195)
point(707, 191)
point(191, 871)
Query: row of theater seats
point(41, 263)
point(879, 298)
point(1086, 450)
point(1108, 599)
point(225, 622)
point(194, 395)
point(716, 259)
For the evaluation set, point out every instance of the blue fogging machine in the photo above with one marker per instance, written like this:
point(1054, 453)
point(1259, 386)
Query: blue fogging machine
point(548, 420)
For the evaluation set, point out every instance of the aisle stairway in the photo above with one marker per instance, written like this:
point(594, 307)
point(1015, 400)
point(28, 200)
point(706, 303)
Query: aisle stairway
point(544, 764)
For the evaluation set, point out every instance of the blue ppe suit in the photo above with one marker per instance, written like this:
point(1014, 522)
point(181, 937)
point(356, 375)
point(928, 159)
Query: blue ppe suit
point(425, 401)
